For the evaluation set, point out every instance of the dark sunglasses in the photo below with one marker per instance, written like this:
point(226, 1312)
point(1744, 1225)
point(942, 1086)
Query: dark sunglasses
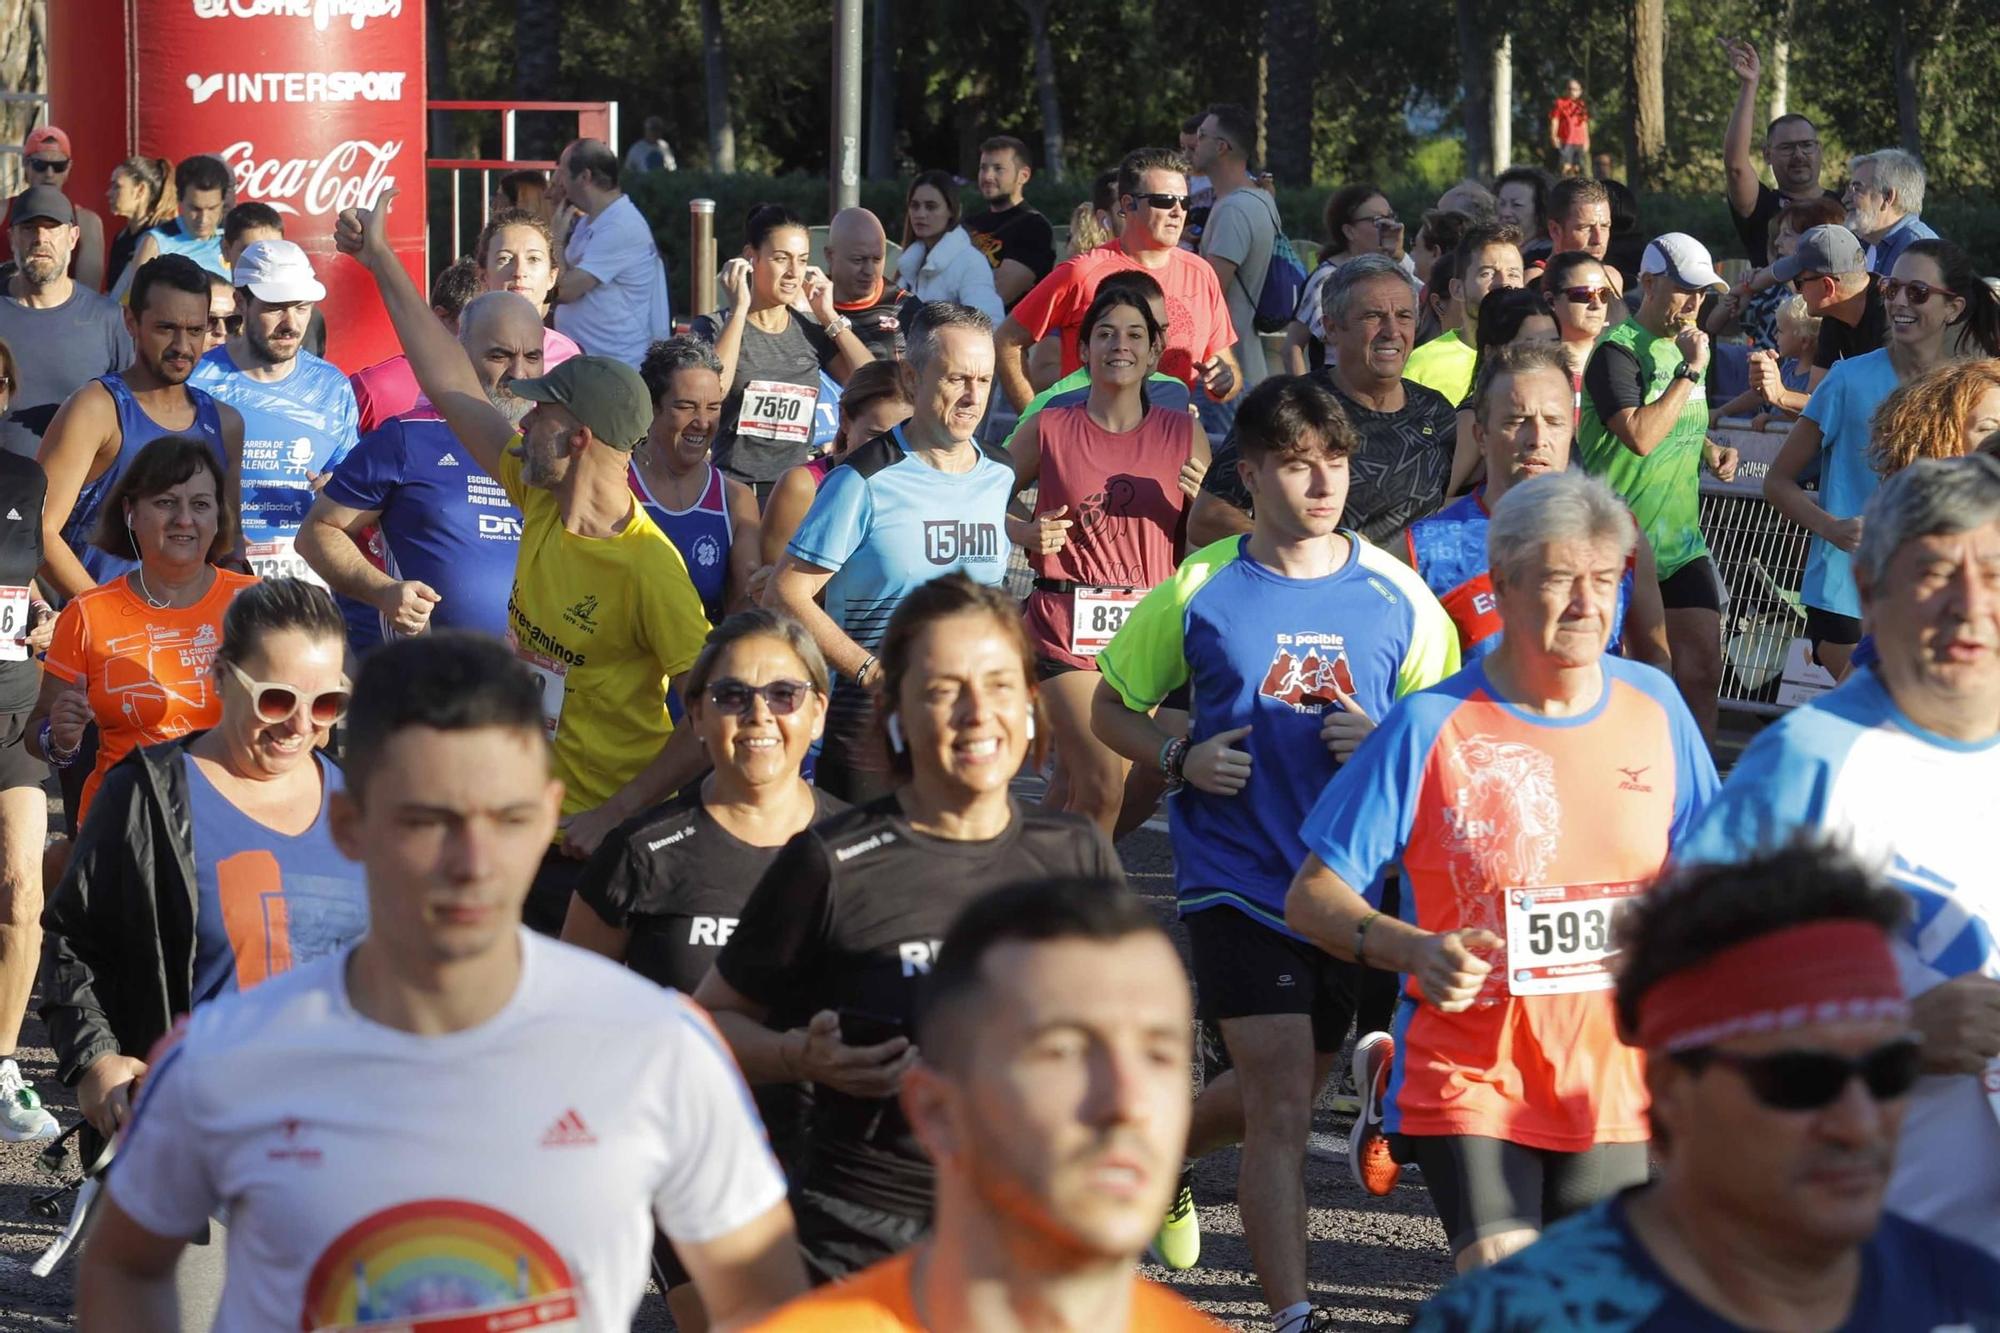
point(1918, 292)
point(1166, 202)
point(1812, 1080)
point(276, 701)
point(1587, 295)
point(782, 697)
point(48, 164)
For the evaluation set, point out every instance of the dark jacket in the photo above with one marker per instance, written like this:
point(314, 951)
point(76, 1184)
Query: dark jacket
point(118, 946)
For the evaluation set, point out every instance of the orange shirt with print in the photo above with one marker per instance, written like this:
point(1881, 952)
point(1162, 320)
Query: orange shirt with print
point(879, 1300)
point(147, 670)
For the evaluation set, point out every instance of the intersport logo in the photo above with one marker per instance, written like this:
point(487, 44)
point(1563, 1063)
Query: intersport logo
point(323, 13)
point(350, 175)
point(310, 86)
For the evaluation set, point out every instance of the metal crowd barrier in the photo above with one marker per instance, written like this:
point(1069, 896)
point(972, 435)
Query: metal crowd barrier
point(1760, 556)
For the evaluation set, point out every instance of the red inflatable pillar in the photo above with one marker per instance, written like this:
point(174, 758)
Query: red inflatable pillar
point(316, 105)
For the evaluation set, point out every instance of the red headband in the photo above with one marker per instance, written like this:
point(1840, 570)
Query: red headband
point(1819, 972)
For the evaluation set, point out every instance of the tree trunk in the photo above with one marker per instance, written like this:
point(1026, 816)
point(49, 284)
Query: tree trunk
point(538, 26)
point(882, 93)
point(1503, 102)
point(1472, 71)
point(1046, 99)
point(1649, 101)
point(1291, 54)
point(24, 68)
point(715, 77)
point(1781, 61)
point(1906, 56)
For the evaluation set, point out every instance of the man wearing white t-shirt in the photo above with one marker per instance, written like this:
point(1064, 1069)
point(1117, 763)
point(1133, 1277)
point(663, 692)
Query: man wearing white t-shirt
point(612, 297)
point(365, 1123)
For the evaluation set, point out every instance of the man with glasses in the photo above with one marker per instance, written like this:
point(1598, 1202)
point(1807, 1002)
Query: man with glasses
point(1791, 150)
point(103, 426)
point(1781, 1066)
point(45, 159)
point(1644, 429)
point(63, 334)
point(1900, 763)
point(1153, 204)
point(1829, 270)
point(1884, 195)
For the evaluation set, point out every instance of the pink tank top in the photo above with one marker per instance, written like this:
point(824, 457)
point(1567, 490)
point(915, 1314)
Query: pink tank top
point(1124, 497)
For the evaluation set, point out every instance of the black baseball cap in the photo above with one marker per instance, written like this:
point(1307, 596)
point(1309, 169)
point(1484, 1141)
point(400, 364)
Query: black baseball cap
point(40, 201)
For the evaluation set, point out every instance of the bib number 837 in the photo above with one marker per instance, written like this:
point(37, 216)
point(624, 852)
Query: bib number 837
point(1108, 619)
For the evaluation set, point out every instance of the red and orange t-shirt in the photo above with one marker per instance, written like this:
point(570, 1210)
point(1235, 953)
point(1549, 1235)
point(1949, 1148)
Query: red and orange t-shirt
point(879, 1300)
point(147, 670)
point(1572, 120)
point(1197, 315)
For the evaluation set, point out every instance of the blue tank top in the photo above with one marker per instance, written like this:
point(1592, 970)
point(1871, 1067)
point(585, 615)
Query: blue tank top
point(700, 533)
point(172, 240)
point(135, 431)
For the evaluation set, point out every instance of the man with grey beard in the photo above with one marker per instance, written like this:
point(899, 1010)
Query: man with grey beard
point(63, 335)
point(446, 535)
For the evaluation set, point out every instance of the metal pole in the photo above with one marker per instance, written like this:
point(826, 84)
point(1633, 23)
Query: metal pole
point(844, 178)
point(701, 256)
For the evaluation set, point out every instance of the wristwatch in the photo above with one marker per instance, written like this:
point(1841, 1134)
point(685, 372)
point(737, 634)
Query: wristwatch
point(839, 325)
point(1682, 372)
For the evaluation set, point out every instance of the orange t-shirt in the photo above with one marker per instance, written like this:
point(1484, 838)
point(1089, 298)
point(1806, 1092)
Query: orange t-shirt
point(878, 1300)
point(147, 671)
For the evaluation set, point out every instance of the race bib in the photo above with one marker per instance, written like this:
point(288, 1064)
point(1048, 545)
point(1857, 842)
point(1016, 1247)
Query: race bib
point(15, 616)
point(551, 677)
point(279, 559)
point(777, 411)
point(1096, 614)
point(1559, 939)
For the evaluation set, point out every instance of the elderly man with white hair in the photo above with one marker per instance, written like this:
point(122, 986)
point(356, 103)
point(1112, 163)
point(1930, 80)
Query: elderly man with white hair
point(1901, 763)
point(1527, 799)
point(1884, 196)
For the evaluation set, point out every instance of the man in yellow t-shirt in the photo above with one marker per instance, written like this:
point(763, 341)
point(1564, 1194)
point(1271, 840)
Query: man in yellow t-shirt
point(602, 610)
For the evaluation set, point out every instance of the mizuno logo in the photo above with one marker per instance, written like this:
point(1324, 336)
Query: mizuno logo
point(1632, 776)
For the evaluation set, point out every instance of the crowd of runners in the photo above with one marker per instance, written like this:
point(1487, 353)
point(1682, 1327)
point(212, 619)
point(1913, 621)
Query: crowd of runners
point(381, 701)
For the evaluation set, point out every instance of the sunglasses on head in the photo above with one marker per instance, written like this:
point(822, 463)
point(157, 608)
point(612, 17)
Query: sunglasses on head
point(1812, 1080)
point(1587, 295)
point(1918, 292)
point(276, 701)
point(1166, 203)
point(782, 697)
point(48, 164)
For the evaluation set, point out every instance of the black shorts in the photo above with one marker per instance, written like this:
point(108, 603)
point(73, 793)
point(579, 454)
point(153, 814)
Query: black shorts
point(1695, 586)
point(1482, 1187)
point(18, 768)
point(1823, 626)
point(548, 897)
point(852, 763)
point(840, 1237)
point(1245, 969)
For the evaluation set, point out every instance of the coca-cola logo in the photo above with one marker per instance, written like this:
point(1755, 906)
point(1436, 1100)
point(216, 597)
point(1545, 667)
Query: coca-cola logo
point(323, 13)
point(350, 175)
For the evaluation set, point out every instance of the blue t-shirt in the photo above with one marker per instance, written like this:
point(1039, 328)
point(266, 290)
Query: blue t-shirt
point(136, 430)
point(264, 902)
point(1265, 651)
point(826, 413)
point(1842, 408)
point(886, 522)
point(1917, 806)
point(444, 521)
point(1590, 1274)
point(293, 430)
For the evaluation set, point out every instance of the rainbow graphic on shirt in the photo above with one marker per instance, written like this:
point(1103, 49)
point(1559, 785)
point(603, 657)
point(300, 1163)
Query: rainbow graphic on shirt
point(430, 1265)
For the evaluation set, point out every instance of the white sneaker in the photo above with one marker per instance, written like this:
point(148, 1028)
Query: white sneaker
point(22, 1117)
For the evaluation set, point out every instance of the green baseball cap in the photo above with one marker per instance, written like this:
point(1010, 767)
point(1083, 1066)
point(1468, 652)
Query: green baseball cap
point(606, 395)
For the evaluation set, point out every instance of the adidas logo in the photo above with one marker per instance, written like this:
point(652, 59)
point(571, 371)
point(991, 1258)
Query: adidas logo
point(449, 460)
point(14, 515)
point(569, 1132)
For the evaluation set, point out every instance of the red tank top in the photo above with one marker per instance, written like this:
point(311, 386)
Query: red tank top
point(1124, 497)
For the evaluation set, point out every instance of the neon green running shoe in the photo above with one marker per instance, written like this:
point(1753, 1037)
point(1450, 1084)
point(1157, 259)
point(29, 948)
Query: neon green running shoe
point(1178, 1242)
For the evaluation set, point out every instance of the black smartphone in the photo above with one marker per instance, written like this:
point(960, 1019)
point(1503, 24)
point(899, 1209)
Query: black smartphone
point(864, 1027)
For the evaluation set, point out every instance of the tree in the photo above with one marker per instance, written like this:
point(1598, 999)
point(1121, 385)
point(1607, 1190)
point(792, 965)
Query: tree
point(1474, 58)
point(1046, 99)
point(24, 65)
point(538, 32)
point(1649, 94)
point(1291, 60)
point(715, 79)
point(881, 134)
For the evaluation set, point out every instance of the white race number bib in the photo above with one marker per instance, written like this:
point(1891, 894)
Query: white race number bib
point(278, 558)
point(16, 614)
point(1559, 939)
point(551, 677)
point(1098, 613)
point(773, 410)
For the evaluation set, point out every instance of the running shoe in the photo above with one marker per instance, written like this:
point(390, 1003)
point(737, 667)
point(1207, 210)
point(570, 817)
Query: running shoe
point(22, 1117)
point(1344, 1100)
point(1177, 1245)
point(1367, 1147)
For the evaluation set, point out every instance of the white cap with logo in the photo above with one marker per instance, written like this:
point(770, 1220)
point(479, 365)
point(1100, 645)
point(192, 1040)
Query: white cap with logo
point(277, 272)
point(1684, 261)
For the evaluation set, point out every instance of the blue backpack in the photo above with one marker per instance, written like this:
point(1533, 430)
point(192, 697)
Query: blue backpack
point(1284, 278)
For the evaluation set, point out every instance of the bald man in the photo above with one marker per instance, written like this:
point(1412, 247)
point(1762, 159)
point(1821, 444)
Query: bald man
point(856, 253)
point(448, 533)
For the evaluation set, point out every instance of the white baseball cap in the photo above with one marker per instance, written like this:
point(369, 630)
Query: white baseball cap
point(1682, 259)
point(277, 272)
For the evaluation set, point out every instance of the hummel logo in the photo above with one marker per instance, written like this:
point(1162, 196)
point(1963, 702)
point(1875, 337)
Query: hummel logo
point(569, 1132)
point(1632, 776)
point(449, 460)
point(14, 515)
